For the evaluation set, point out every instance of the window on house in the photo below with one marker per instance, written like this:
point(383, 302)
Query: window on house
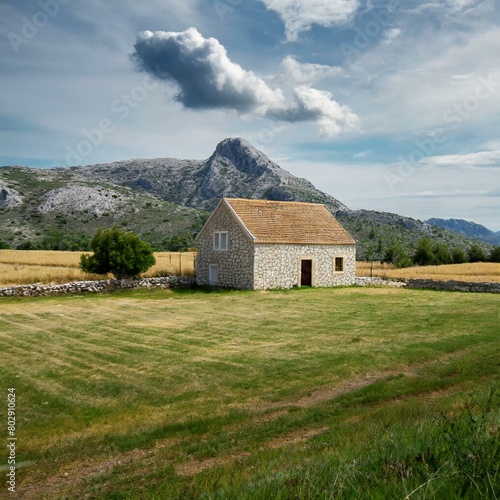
point(213, 273)
point(221, 241)
point(338, 264)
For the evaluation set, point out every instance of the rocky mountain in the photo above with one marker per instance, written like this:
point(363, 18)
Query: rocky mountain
point(235, 169)
point(165, 198)
point(468, 228)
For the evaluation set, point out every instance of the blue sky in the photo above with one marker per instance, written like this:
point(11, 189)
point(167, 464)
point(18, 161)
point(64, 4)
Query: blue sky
point(389, 105)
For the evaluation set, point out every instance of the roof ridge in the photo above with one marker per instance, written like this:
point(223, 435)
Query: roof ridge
point(275, 201)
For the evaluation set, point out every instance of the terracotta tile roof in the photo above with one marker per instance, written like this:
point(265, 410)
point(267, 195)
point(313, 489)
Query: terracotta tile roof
point(289, 222)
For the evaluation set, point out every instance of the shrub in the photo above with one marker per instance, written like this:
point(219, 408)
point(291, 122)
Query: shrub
point(458, 256)
point(442, 254)
point(427, 254)
point(424, 256)
point(495, 255)
point(179, 243)
point(476, 254)
point(119, 252)
point(396, 254)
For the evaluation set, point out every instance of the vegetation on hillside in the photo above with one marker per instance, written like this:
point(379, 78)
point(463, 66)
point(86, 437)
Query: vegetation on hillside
point(165, 202)
point(379, 233)
point(43, 221)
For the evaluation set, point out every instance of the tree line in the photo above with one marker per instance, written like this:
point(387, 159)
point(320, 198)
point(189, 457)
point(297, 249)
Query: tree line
point(429, 253)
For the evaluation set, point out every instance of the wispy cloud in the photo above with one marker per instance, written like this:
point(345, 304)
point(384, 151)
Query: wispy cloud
point(391, 35)
point(445, 193)
point(482, 158)
point(300, 73)
point(300, 15)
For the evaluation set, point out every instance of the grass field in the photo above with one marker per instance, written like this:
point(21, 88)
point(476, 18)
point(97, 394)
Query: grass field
point(311, 393)
point(22, 267)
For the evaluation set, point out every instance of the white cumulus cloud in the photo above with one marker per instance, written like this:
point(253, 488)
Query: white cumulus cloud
point(205, 76)
point(319, 106)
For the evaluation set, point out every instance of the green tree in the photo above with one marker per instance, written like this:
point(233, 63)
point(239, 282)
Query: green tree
point(424, 255)
point(458, 256)
point(119, 252)
point(178, 243)
point(495, 255)
point(442, 254)
point(396, 254)
point(476, 254)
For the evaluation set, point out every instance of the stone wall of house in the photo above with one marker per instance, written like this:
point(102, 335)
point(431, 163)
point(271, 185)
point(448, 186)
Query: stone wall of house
point(94, 286)
point(278, 266)
point(236, 264)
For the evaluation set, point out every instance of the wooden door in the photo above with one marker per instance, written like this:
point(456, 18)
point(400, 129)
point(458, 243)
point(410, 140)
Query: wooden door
point(306, 272)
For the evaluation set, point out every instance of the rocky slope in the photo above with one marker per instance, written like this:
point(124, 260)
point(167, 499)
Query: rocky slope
point(467, 228)
point(235, 169)
point(164, 197)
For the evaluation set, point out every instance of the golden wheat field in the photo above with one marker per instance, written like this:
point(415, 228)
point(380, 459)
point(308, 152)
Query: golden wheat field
point(22, 267)
point(478, 271)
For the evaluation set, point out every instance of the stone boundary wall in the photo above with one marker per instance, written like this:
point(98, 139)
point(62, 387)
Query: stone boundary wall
point(451, 285)
point(94, 286)
point(455, 286)
point(173, 281)
point(378, 281)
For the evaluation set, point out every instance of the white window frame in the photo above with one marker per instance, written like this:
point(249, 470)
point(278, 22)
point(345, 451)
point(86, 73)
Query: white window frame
point(221, 241)
point(335, 257)
point(213, 268)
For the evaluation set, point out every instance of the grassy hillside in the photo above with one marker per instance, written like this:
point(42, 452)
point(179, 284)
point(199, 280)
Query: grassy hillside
point(60, 211)
point(374, 232)
point(314, 393)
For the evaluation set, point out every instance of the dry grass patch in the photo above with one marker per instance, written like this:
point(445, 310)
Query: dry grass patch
point(24, 267)
point(176, 263)
point(476, 272)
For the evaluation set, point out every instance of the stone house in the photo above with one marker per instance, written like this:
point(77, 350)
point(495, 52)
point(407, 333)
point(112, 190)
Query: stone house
point(261, 244)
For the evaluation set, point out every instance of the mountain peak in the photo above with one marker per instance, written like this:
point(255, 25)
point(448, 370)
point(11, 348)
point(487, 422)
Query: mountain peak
point(233, 143)
point(245, 157)
point(238, 169)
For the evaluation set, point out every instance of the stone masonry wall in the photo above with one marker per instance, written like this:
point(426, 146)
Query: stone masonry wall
point(278, 266)
point(235, 265)
point(451, 285)
point(455, 286)
point(94, 286)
